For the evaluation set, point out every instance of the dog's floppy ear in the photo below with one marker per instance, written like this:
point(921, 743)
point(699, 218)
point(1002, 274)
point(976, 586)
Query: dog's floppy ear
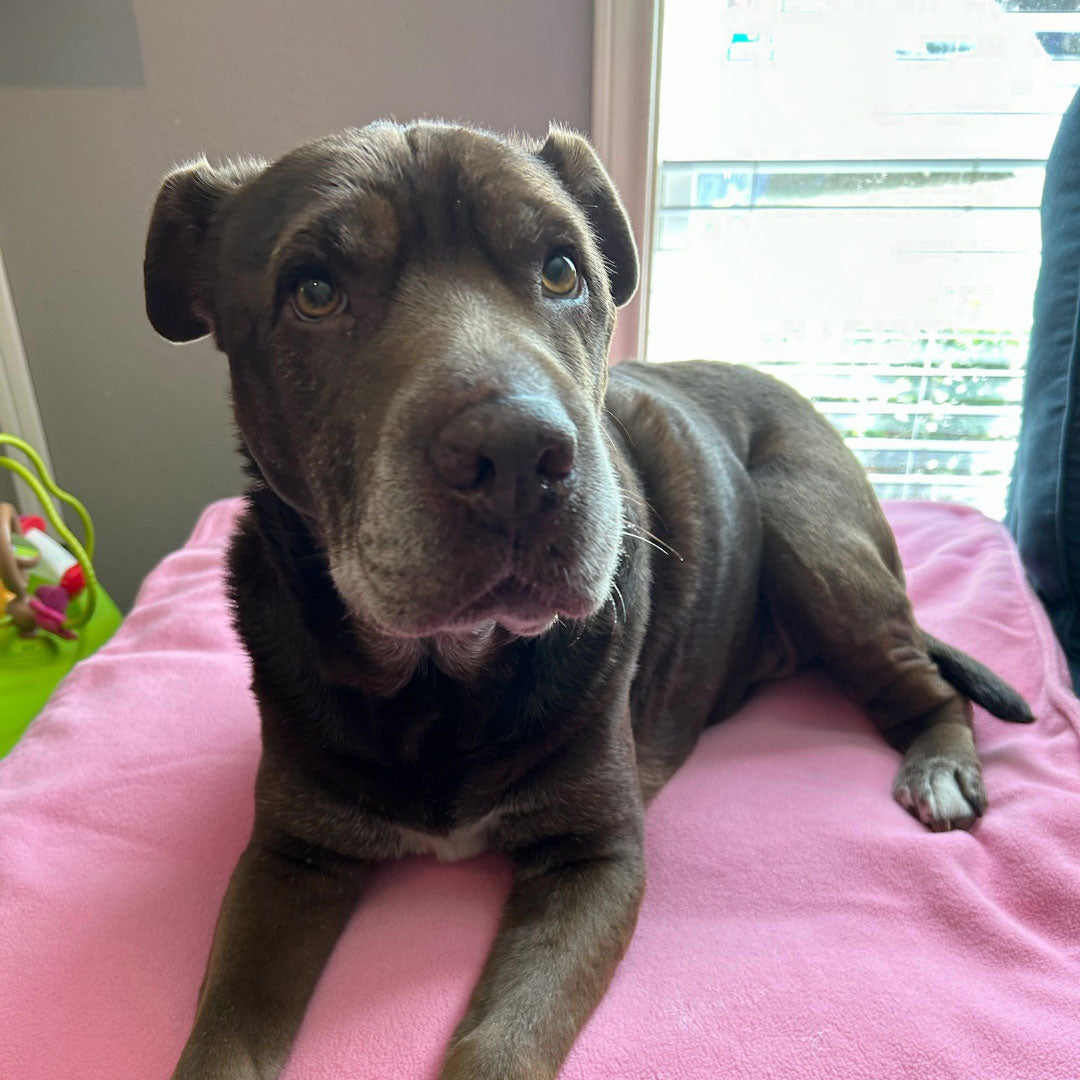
point(177, 267)
point(583, 175)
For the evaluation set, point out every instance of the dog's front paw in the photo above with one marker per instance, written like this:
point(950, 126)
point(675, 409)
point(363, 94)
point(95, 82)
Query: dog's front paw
point(943, 793)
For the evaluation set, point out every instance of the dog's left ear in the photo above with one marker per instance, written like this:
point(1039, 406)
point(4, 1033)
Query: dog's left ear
point(582, 174)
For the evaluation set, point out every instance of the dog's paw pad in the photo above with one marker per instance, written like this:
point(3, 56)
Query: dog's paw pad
point(942, 793)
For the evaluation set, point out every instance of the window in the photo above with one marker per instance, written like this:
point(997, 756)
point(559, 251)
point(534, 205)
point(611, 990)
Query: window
point(847, 196)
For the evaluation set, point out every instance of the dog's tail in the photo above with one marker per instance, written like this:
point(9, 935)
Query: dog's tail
point(979, 683)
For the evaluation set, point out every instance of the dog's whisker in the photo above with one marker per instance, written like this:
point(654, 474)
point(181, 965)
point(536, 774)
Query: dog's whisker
point(650, 534)
point(622, 426)
point(619, 594)
point(629, 496)
point(659, 546)
point(653, 512)
point(634, 536)
point(649, 537)
point(639, 500)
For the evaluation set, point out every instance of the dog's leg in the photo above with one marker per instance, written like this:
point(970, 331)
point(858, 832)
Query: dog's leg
point(567, 923)
point(833, 578)
point(285, 907)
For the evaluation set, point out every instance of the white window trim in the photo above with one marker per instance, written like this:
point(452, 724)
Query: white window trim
point(19, 413)
point(626, 72)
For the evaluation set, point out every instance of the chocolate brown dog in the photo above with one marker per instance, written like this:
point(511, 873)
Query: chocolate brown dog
point(492, 594)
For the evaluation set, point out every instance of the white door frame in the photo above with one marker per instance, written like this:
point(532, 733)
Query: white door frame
point(626, 73)
point(19, 413)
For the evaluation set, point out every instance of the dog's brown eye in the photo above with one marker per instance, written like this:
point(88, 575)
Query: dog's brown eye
point(316, 297)
point(560, 276)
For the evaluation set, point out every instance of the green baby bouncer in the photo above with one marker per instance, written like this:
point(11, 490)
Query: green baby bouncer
point(53, 611)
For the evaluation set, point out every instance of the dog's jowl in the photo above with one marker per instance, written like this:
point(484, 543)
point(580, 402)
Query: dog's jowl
point(493, 592)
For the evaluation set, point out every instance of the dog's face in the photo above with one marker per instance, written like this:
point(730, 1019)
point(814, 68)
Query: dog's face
point(417, 323)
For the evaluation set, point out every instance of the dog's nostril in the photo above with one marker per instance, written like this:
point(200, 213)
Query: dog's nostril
point(463, 470)
point(485, 470)
point(556, 462)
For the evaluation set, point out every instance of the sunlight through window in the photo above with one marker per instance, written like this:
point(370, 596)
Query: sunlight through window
point(848, 198)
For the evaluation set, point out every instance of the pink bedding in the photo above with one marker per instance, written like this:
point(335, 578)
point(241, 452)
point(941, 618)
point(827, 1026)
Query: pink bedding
point(797, 923)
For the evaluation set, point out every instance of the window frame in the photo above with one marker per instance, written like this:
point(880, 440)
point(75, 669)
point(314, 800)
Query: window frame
point(625, 98)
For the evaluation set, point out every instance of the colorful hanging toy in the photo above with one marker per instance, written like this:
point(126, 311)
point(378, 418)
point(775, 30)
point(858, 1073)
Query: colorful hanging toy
point(53, 611)
point(38, 576)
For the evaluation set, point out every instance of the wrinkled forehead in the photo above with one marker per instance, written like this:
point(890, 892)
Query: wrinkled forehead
point(370, 193)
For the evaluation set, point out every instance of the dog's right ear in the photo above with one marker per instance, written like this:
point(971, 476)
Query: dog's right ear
point(178, 262)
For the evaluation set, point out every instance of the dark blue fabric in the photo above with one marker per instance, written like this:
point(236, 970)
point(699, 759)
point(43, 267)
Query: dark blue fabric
point(1043, 510)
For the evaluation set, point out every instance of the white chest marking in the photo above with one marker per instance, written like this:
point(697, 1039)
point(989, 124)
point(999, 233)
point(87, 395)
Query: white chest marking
point(461, 843)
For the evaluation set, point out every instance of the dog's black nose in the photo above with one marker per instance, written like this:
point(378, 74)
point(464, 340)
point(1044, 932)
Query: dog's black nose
point(508, 455)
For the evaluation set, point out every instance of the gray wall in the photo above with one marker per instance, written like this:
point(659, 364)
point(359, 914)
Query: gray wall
point(98, 98)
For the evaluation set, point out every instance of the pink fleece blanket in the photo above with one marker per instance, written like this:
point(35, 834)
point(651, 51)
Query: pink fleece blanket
point(797, 923)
